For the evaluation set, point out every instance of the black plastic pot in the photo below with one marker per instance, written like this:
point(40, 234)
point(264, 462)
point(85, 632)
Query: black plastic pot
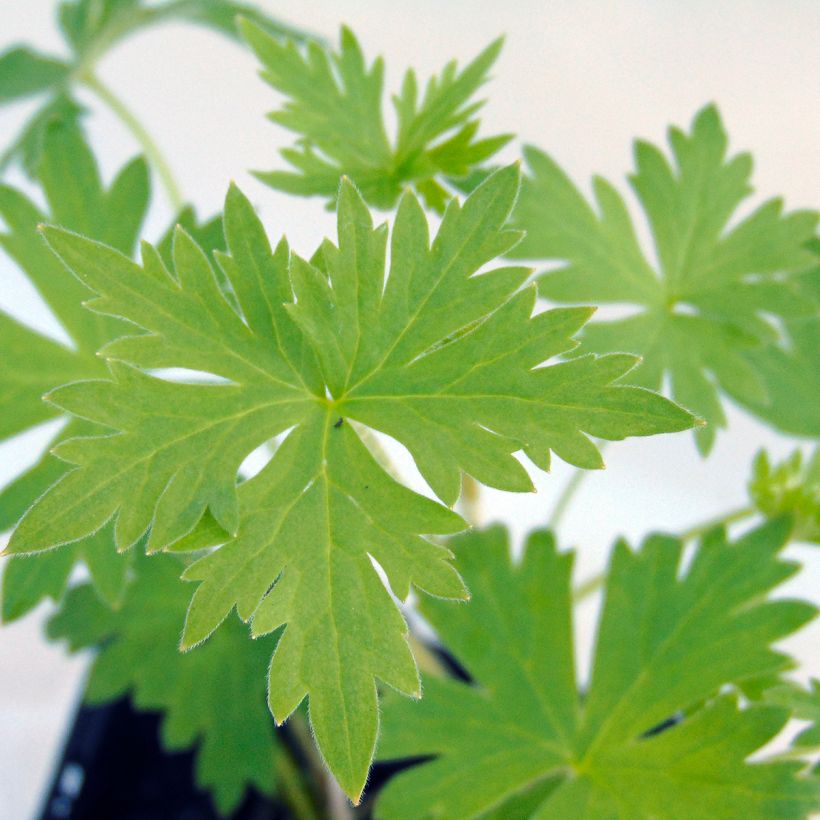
point(114, 767)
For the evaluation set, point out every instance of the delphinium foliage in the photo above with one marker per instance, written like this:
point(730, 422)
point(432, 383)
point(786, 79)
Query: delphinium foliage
point(434, 338)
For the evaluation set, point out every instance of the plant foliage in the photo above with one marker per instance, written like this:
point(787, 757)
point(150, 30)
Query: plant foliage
point(791, 487)
point(655, 733)
point(334, 104)
point(90, 28)
point(214, 698)
point(719, 289)
point(446, 361)
point(33, 364)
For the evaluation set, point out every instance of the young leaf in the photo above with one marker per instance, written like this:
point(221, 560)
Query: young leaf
point(214, 699)
point(445, 360)
point(654, 735)
point(789, 488)
point(335, 106)
point(709, 301)
point(34, 364)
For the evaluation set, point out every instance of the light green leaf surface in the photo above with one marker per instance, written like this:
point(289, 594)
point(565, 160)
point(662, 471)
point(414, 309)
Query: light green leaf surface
point(792, 488)
point(334, 105)
point(709, 301)
point(214, 699)
point(444, 360)
point(669, 641)
point(33, 364)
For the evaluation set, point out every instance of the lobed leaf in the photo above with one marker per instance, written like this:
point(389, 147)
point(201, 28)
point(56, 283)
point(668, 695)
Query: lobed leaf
point(655, 734)
point(720, 291)
point(34, 364)
point(445, 359)
point(334, 105)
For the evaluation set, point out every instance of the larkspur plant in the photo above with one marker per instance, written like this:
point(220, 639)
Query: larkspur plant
point(436, 340)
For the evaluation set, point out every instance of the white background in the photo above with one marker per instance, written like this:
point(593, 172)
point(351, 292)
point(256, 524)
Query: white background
point(580, 79)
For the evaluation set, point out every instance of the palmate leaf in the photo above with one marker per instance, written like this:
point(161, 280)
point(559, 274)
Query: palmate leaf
point(654, 735)
point(444, 360)
point(33, 364)
point(334, 104)
point(707, 306)
point(214, 698)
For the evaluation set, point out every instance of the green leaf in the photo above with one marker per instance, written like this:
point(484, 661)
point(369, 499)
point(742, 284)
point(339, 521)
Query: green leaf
point(28, 580)
point(25, 72)
point(790, 367)
point(789, 488)
point(93, 26)
point(710, 300)
point(655, 735)
point(78, 201)
point(804, 705)
point(444, 360)
point(27, 147)
point(33, 364)
point(214, 698)
point(222, 16)
point(334, 105)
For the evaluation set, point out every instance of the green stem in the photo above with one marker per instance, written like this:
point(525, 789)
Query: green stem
point(289, 780)
point(146, 141)
point(705, 526)
point(568, 493)
point(588, 587)
point(335, 803)
point(595, 582)
point(564, 499)
point(471, 500)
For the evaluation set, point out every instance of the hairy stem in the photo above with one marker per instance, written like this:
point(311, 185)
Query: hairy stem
point(289, 781)
point(595, 582)
point(149, 146)
point(471, 500)
point(565, 497)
